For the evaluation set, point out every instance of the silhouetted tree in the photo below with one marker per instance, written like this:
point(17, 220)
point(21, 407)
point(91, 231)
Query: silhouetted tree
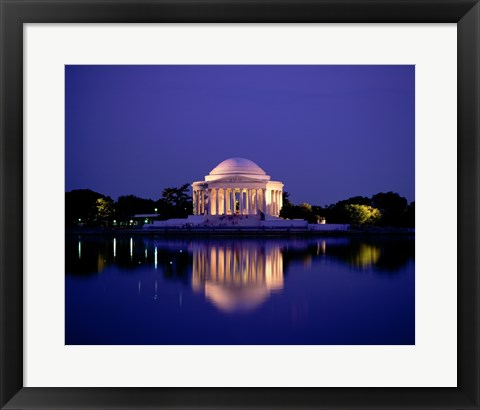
point(302, 211)
point(175, 202)
point(129, 205)
point(81, 207)
point(286, 199)
point(392, 206)
point(409, 217)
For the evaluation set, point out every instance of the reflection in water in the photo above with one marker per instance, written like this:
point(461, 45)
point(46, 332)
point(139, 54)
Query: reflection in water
point(236, 276)
point(366, 255)
point(100, 262)
point(189, 290)
point(238, 262)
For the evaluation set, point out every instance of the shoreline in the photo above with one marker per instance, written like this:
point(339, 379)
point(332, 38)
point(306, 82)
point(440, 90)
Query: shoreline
point(235, 232)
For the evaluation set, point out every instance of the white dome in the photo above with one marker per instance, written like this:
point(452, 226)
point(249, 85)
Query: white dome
point(237, 166)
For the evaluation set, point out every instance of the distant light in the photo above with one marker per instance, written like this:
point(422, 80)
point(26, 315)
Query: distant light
point(171, 262)
point(146, 220)
point(156, 210)
point(79, 220)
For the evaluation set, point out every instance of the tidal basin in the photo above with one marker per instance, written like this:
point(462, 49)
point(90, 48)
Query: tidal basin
point(224, 290)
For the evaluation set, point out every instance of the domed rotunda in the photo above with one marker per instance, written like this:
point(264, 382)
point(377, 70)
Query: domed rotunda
point(237, 186)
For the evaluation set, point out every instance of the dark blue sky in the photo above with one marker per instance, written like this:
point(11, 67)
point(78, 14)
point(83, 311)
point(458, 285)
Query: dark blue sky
point(327, 132)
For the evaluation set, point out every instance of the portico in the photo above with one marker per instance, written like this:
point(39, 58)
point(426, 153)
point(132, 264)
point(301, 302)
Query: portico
point(237, 186)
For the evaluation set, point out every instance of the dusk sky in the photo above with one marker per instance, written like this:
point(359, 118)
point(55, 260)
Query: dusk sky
point(327, 132)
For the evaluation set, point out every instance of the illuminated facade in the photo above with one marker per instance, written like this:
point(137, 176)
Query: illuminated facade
point(237, 186)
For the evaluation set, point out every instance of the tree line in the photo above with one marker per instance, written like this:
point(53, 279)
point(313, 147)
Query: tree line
point(84, 207)
point(382, 209)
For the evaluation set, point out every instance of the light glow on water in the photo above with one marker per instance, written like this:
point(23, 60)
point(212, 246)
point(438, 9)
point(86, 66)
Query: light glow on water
point(263, 291)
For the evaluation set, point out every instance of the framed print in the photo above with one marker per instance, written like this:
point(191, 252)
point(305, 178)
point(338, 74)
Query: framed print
point(231, 290)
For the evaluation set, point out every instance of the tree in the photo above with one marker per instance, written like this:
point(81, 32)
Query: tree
point(392, 206)
point(362, 214)
point(81, 207)
point(336, 213)
point(302, 211)
point(286, 199)
point(409, 216)
point(130, 205)
point(175, 202)
point(105, 210)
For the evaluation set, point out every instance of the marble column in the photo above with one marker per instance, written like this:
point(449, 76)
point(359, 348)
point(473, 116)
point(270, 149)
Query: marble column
point(273, 202)
point(229, 200)
point(276, 202)
point(264, 197)
point(241, 201)
point(246, 202)
point(259, 201)
point(224, 201)
point(199, 203)
point(208, 201)
point(250, 201)
point(211, 202)
point(194, 200)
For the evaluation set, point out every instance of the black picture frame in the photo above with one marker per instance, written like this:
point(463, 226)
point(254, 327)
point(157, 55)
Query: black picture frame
point(14, 13)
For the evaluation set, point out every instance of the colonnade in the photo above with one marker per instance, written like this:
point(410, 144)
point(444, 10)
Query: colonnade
point(236, 201)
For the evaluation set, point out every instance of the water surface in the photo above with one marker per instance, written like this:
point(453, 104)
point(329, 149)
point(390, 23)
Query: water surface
point(221, 290)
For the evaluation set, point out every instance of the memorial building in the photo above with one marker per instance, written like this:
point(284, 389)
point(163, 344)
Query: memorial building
point(237, 186)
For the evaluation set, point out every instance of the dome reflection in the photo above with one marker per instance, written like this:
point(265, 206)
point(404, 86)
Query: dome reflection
point(237, 278)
